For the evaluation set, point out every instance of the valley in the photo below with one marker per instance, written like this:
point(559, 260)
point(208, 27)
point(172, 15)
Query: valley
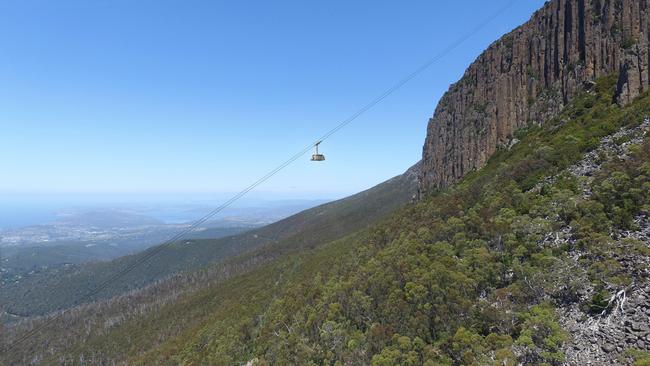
point(57, 288)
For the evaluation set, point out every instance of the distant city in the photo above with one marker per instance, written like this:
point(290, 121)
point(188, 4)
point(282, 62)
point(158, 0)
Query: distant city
point(71, 236)
point(104, 224)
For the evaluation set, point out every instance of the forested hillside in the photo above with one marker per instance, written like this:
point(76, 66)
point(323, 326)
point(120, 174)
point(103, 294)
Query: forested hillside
point(514, 264)
point(60, 287)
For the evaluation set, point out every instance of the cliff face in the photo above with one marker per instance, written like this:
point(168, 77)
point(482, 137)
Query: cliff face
point(528, 76)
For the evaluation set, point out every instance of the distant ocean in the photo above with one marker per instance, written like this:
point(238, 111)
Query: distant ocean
point(21, 210)
point(14, 216)
point(27, 210)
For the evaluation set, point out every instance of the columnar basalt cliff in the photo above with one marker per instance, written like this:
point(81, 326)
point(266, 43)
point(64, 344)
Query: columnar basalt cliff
point(527, 77)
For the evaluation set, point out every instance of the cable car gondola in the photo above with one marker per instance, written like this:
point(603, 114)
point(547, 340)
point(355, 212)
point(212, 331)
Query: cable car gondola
point(317, 156)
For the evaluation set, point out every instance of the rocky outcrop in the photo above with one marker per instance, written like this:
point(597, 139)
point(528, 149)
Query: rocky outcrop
point(527, 77)
point(605, 338)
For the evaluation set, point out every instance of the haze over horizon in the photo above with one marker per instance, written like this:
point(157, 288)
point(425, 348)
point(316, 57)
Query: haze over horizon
point(25, 210)
point(205, 97)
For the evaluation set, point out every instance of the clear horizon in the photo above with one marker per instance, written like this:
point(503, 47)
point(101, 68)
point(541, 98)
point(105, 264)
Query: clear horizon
point(155, 98)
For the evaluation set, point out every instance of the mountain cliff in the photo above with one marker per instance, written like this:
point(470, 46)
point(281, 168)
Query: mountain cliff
point(529, 75)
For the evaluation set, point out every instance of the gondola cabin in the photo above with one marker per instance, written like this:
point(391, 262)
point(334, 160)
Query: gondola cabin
point(317, 156)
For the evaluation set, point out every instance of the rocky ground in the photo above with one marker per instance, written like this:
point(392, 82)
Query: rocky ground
point(603, 339)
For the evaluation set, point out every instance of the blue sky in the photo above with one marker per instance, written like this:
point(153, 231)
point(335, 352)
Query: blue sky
point(155, 97)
